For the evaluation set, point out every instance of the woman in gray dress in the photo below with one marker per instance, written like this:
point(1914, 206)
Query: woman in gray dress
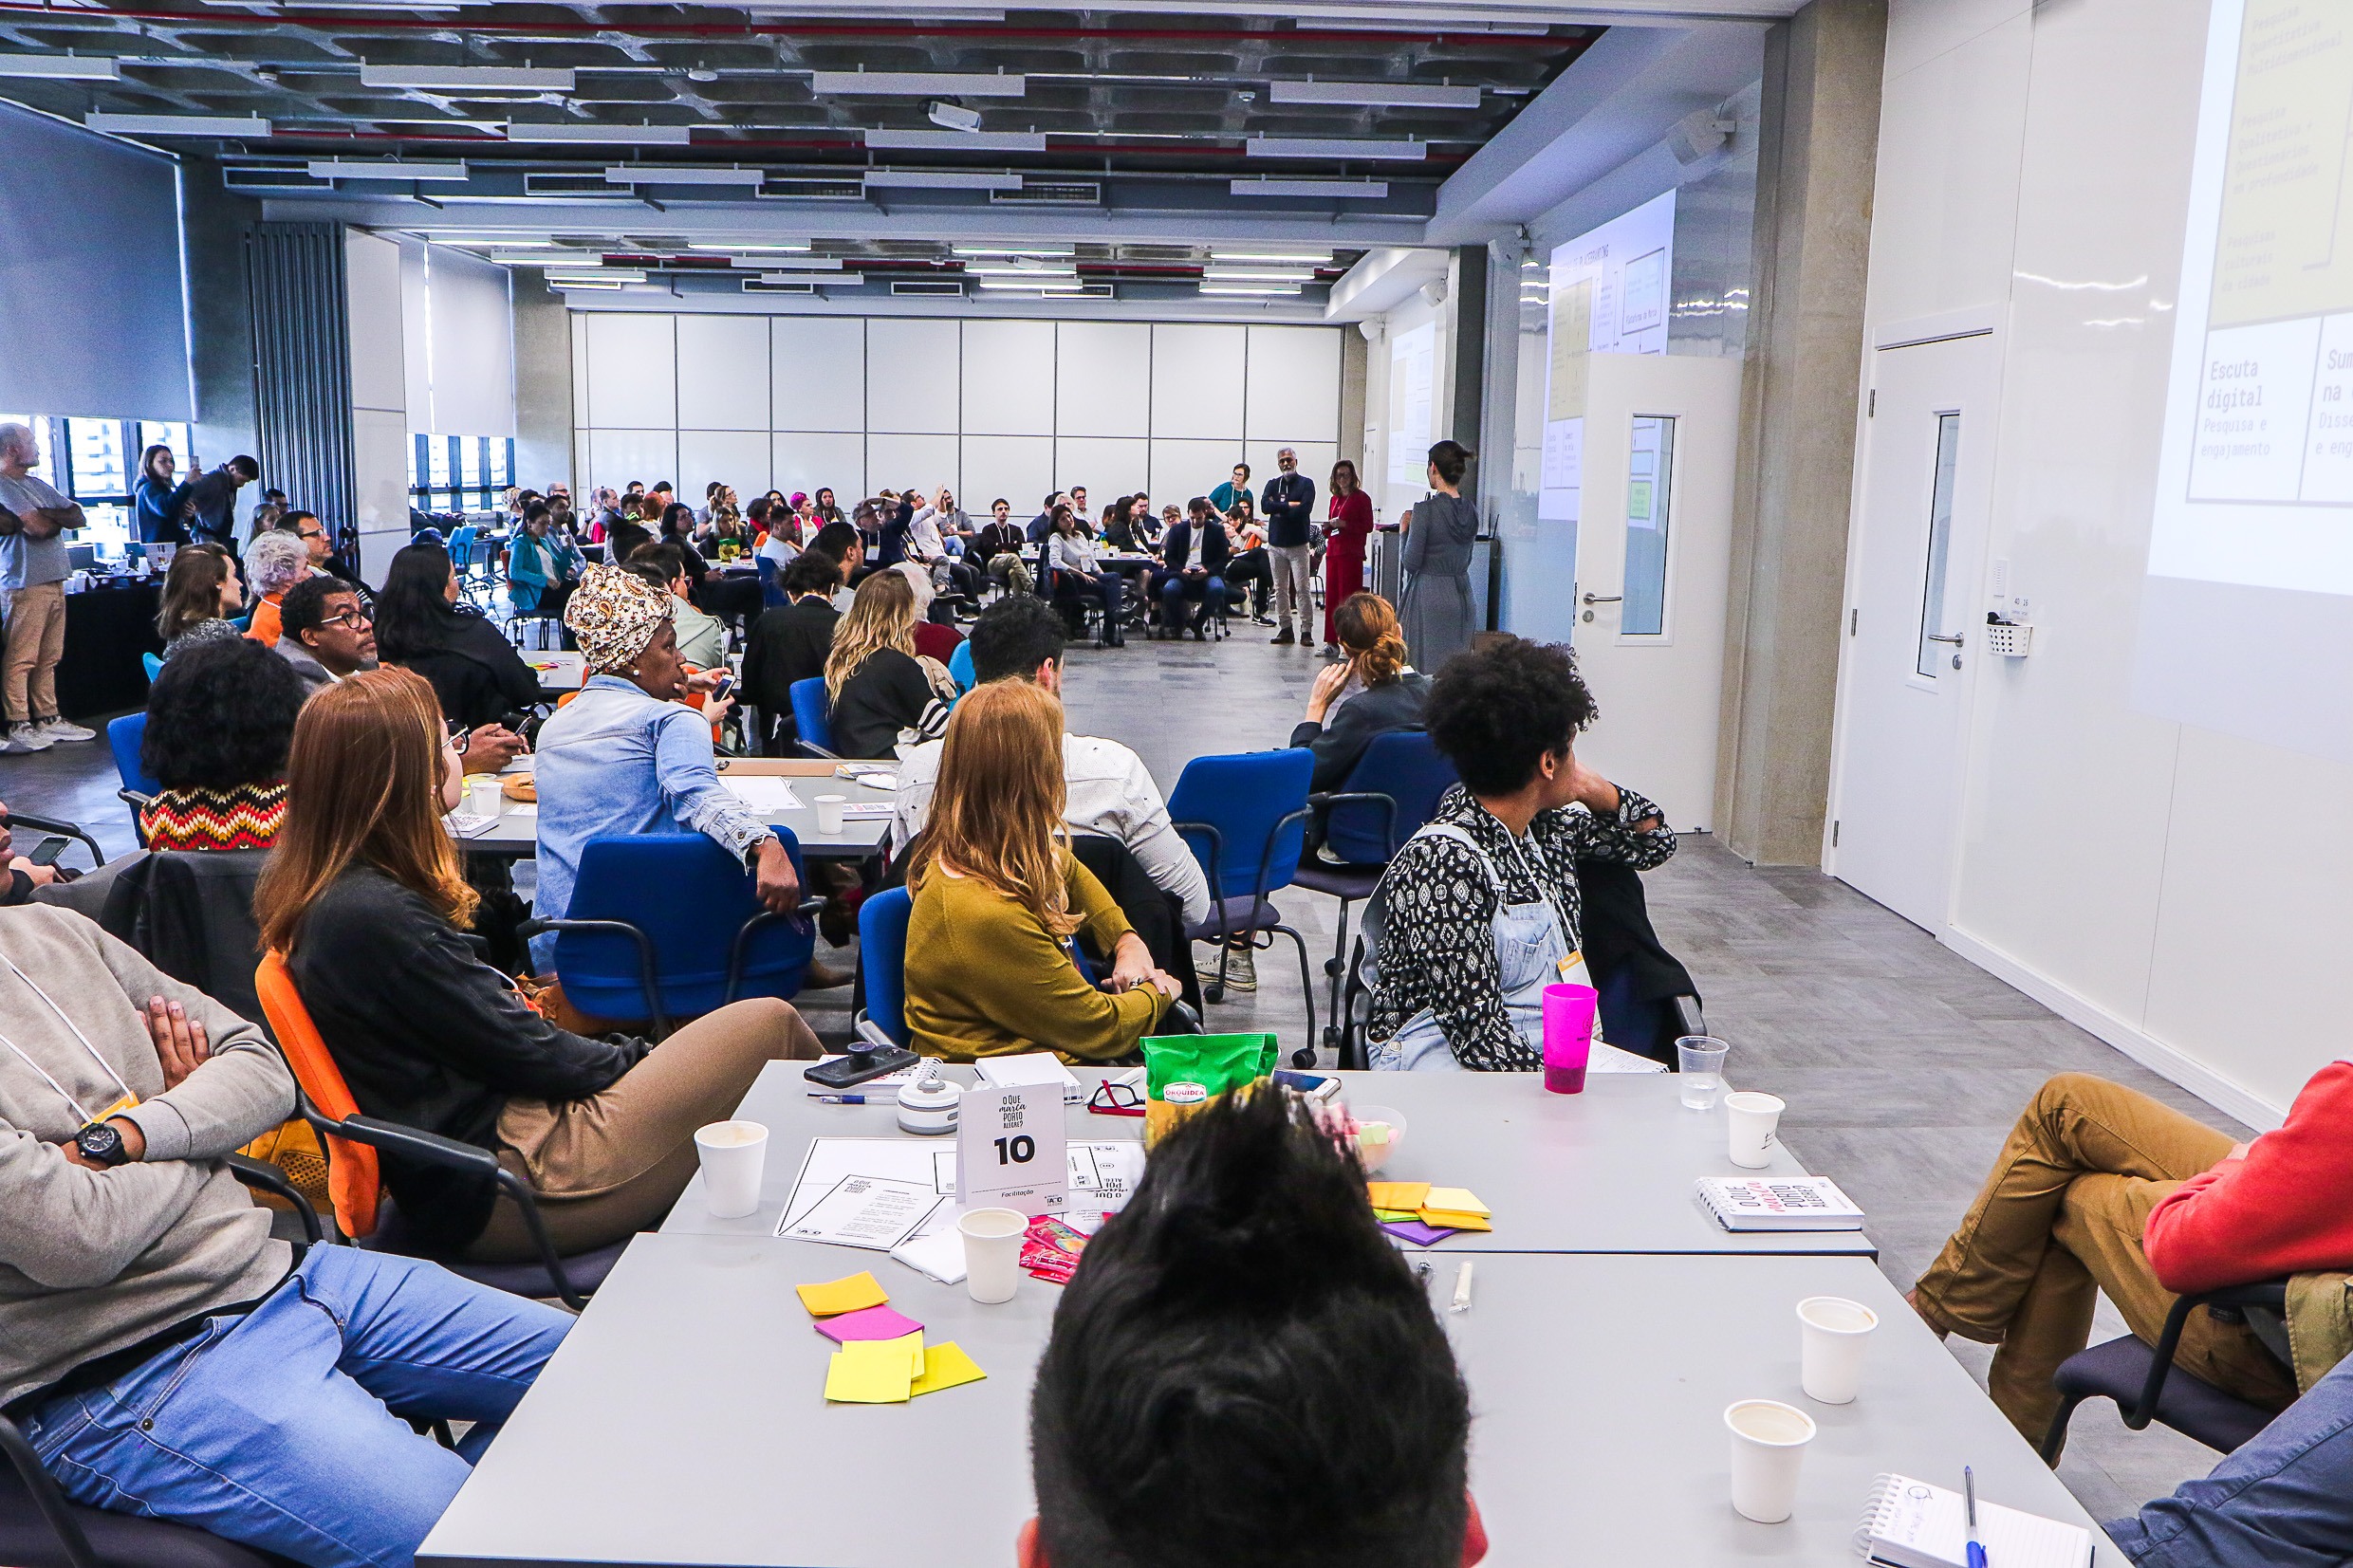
point(1435, 607)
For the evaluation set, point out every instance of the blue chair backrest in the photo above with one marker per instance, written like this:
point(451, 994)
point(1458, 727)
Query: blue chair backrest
point(691, 897)
point(770, 595)
point(960, 666)
point(153, 663)
point(1243, 797)
point(1405, 765)
point(123, 737)
point(883, 952)
point(812, 711)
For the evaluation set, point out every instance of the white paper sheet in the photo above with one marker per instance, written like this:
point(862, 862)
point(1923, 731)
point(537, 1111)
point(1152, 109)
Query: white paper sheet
point(865, 1211)
point(762, 792)
point(908, 1159)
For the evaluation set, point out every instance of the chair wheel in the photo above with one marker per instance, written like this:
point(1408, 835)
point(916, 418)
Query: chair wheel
point(1303, 1056)
point(1331, 965)
point(1331, 1036)
point(1213, 993)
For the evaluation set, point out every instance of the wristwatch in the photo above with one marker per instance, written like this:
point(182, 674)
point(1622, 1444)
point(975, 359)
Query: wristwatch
point(102, 1144)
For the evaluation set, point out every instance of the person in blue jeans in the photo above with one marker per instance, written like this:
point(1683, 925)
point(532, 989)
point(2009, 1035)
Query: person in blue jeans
point(164, 1355)
point(2284, 1500)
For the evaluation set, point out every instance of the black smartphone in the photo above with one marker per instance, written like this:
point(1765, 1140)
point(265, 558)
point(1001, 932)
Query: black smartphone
point(872, 1055)
point(724, 689)
point(47, 849)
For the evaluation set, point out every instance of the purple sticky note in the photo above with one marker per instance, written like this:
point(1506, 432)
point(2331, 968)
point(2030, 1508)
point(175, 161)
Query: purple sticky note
point(1412, 1231)
point(875, 1323)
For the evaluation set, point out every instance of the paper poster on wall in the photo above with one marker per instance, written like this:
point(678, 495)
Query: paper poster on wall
point(1412, 369)
point(1610, 294)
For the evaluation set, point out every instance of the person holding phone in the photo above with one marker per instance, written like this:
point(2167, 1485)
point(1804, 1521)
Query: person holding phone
point(24, 873)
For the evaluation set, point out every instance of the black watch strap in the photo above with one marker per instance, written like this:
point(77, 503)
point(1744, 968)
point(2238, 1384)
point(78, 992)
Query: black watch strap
point(102, 1143)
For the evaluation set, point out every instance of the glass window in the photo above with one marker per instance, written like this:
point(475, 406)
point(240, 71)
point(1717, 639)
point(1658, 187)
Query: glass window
point(1934, 636)
point(154, 432)
point(98, 466)
point(1650, 469)
point(438, 463)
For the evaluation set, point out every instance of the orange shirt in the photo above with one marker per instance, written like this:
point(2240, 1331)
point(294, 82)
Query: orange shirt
point(265, 628)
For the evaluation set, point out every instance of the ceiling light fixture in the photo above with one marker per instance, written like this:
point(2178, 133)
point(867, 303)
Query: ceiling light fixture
point(634, 173)
point(207, 125)
point(917, 85)
point(828, 280)
point(714, 244)
point(466, 78)
point(429, 168)
point(1055, 250)
point(1397, 94)
point(928, 179)
point(1246, 274)
point(953, 117)
point(582, 283)
point(1308, 146)
point(1342, 190)
point(1249, 289)
point(1021, 271)
point(791, 264)
point(609, 136)
point(1219, 255)
point(60, 68)
point(957, 142)
point(1072, 288)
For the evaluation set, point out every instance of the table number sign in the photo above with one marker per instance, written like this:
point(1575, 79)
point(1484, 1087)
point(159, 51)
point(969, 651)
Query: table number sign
point(1011, 1150)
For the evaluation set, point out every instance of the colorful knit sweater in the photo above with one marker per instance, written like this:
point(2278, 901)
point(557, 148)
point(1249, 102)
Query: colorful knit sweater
point(242, 816)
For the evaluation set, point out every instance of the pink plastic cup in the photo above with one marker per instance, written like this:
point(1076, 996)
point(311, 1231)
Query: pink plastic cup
point(1567, 1036)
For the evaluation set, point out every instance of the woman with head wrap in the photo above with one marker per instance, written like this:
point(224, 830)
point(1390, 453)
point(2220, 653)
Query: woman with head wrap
point(626, 756)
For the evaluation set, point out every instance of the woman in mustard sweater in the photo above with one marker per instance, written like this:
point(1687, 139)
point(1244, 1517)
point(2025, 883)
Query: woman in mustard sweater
point(998, 895)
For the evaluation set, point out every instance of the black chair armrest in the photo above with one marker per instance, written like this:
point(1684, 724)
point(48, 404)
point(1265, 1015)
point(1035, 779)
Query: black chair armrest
point(1216, 847)
point(2230, 1303)
point(46, 824)
point(271, 1180)
point(47, 1497)
point(806, 910)
point(2233, 1298)
point(1330, 798)
point(647, 967)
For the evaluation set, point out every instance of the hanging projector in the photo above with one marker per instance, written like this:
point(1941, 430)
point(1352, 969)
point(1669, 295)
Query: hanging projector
point(955, 117)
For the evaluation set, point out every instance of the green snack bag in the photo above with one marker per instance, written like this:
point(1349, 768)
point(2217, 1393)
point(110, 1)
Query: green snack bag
point(1182, 1073)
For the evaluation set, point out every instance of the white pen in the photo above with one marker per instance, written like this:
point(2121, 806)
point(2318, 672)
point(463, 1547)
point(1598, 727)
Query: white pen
point(1462, 1289)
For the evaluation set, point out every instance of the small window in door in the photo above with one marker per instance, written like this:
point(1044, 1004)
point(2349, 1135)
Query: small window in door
point(1650, 468)
point(1935, 637)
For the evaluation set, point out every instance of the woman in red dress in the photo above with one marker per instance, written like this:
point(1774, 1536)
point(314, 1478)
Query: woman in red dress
point(1348, 525)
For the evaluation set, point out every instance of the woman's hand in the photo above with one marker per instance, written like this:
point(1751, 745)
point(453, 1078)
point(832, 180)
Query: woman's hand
point(1327, 684)
point(1131, 963)
point(704, 680)
point(1598, 794)
point(180, 1043)
point(716, 709)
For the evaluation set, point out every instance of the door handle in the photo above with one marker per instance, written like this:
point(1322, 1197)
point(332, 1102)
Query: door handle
point(1604, 598)
point(1955, 640)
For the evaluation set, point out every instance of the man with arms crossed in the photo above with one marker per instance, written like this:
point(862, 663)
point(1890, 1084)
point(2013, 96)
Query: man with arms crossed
point(33, 569)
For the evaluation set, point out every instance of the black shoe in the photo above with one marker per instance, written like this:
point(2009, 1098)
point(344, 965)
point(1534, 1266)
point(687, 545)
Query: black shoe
point(1262, 621)
point(1283, 639)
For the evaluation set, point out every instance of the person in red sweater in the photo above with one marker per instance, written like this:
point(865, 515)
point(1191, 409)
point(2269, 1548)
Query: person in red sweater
point(2102, 1189)
point(1348, 532)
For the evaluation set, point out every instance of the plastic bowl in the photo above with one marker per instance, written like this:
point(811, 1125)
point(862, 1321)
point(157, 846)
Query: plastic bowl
point(1375, 1155)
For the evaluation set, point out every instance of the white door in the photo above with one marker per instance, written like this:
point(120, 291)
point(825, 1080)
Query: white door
point(1653, 557)
point(1917, 600)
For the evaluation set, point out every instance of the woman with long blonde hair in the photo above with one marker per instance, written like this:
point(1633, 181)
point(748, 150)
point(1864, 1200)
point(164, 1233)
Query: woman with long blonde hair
point(365, 899)
point(997, 894)
point(884, 698)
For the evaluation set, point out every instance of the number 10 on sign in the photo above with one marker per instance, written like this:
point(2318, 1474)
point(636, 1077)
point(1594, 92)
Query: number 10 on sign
point(1011, 1150)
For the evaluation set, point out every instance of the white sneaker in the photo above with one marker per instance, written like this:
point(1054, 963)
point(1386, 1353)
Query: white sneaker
point(27, 737)
point(60, 730)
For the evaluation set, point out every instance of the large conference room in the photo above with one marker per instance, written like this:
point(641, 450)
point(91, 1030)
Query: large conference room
point(1698, 650)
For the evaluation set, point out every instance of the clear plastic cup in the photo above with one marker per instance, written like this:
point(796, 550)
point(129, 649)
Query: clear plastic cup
point(1699, 1063)
point(1768, 1451)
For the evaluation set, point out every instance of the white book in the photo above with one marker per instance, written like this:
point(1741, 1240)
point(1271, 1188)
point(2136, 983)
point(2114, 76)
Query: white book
point(1778, 1203)
point(1909, 1523)
point(1013, 1072)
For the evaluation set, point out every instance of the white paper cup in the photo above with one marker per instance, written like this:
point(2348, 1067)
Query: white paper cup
point(733, 1155)
point(1835, 1332)
point(1768, 1449)
point(991, 1252)
point(1753, 1117)
point(484, 798)
point(829, 813)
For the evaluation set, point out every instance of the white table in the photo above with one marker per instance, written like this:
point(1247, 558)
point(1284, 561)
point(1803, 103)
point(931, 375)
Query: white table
point(1607, 1171)
point(859, 837)
point(683, 1420)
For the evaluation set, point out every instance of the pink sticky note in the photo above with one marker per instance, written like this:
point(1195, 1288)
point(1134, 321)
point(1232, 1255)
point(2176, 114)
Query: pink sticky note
point(875, 1322)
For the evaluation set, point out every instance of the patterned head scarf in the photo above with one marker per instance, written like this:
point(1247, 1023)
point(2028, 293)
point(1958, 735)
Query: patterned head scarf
point(615, 614)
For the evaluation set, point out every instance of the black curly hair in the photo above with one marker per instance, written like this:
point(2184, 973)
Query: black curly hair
point(221, 715)
point(1495, 712)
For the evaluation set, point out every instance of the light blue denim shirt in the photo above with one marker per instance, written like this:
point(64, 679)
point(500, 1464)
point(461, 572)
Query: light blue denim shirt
point(614, 759)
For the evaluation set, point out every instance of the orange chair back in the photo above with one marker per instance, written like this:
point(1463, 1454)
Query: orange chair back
point(353, 1179)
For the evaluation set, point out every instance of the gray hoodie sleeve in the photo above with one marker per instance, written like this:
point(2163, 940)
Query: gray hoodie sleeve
point(242, 1092)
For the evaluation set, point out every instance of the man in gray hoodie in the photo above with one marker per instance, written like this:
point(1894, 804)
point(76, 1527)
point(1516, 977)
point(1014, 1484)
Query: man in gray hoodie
point(162, 1353)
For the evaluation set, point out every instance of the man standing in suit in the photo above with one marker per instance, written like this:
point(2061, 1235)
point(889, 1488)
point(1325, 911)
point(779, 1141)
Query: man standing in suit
point(1290, 499)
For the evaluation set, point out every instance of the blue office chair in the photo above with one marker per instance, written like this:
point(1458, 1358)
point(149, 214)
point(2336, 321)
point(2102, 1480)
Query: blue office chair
point(960, 666)
point(666, 925)
point(882, 953)
point(153, 664)
point(812, 717)
point(770, 595)
point(2147, 1386)
point(1246, 820)
point(1391, 792)
point(123, 738)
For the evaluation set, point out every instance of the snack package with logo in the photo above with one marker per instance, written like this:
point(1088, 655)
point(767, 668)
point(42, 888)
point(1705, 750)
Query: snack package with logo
point(1182, 1073)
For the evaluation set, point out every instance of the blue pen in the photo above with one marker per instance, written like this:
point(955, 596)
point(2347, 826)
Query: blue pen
point(1968, 1494)
point(841, 1099)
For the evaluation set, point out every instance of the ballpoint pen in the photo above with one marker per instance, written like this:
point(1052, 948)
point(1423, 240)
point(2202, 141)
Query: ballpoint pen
point(1969, 1503)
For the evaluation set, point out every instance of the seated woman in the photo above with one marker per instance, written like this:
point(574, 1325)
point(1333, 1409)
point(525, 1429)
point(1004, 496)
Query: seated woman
point(365, 897)
point(219, 721)
point(422, 624)
point(1077, 575)
point(997, 894)
point(201, 591)
point(1370, 692)
point(883, 696)
point(790, 643)
point(274, 563)
point(534, 575)
point(1482, 906)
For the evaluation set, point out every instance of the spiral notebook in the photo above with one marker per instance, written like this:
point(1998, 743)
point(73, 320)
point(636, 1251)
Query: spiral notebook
point(1909, 1523)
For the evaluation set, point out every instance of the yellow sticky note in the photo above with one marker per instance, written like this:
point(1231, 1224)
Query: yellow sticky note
point(1398, 1195)
point(1389, 1215)
point(1454, 1200)
point(870, 1371)
point(1447, 1220)
point(836, 1296)
point(944, 1367)
point(913, 1343)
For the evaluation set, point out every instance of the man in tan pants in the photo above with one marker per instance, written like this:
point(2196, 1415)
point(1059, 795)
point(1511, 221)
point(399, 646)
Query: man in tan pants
point(2061, 1220)
point(33, 569)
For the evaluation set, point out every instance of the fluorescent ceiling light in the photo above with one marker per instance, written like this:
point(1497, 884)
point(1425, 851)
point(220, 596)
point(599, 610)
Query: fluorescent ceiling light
point(1340, 189)
point(827, 281)
point(1021, 271)
point(532, 258)
point(1431, 21)
point(614, 136)
point(712, 245)
point(792, 263)
point(176, 124)
point(599, 274)
point(927, 179)
point(464, 78)
point(431, 169)
point(641, 174)
point(1219, 255)
point(1012, 250)
point(1249, 289)
point(918, 83)
point(1247, 274)
point(60, 68)
point(1414, 94)
point(582, 283)
point(1034, 288)
point(1308, 146)
point(957, 142)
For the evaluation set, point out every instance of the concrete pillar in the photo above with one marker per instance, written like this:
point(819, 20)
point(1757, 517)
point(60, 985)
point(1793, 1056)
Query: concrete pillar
point(543, 370)
point(1817, 149)
point(1354, 363)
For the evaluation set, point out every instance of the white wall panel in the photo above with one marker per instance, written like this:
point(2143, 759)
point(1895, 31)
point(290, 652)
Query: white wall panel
point(818, 369)
point(1019, 467)
point(807, 461)
point(1103, 374)
point(925, 462)
point(736, 458)
point(1183, 470)
point(1108, 466)
point(415, 352)
point(723, 373)
point(632, 371)
point(1009, 378)
point(376, 304)
point(1293, 383)
point(616, 456)
point(473, 332)
point(914, 380)
point(1196, 380)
